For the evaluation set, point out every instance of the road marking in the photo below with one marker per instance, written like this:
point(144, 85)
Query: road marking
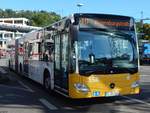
point(14, 95)
point(68, 108)
point(17, 88)
point(47, 104)
point(2, 70)
point(145, 75)
point(136, 100)
point(126, 109)
point(16, 106)
point(27, 87)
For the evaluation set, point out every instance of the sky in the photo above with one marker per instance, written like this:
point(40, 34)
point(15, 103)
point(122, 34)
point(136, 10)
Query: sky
point(66, 7)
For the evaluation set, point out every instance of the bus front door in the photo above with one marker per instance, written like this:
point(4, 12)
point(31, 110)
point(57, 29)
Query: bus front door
point(61, 62)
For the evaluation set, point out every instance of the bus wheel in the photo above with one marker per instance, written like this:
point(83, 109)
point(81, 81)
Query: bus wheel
point(20, 68)
point(20, 71)
point(9, 64)
point(47, 80)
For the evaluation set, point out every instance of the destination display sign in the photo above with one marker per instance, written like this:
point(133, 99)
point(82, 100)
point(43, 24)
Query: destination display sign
point(106, 23)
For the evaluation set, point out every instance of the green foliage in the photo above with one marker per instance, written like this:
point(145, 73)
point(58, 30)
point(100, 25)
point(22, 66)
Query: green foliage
point(37, 18)
point(144, 30)
point(139, 27)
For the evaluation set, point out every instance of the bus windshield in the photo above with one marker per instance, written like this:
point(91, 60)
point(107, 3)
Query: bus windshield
point(106, 52)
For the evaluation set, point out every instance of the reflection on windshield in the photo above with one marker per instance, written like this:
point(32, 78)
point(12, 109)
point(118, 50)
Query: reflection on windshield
point(108, 50)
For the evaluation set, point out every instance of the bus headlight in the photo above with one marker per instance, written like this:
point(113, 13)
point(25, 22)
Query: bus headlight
point(81, 87)
point(135, 84)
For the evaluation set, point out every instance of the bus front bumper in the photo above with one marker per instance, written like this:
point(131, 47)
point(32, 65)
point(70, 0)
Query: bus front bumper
point(103, 86)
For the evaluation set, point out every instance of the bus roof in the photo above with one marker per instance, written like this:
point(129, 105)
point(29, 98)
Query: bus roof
point(101, 14)
point(62, 21)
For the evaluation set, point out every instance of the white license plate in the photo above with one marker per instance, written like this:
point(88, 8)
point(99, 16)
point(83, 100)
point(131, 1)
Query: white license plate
point(112, 93)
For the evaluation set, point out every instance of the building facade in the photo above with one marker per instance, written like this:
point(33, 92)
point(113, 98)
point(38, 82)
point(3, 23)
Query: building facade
point(17, 21)
point(12, 28)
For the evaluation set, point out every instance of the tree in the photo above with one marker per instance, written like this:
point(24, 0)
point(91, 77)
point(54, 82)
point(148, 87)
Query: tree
point(146, 31)
point(37, 18)
point(143, 30)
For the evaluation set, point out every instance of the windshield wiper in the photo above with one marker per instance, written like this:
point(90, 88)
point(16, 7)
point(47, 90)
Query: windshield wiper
point(101, 70)
point(105, 61)
point(83, 62)
point(107, 70)
point(127, 70)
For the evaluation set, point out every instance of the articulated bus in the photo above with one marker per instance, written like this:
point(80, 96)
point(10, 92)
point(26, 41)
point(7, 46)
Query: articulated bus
point(82, 56)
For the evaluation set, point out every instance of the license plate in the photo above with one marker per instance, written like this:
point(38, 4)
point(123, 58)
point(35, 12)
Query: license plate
point(111, 93)
point(96, 93)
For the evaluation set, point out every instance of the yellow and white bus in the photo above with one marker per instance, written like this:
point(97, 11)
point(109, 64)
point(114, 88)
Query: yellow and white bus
point(82, 56)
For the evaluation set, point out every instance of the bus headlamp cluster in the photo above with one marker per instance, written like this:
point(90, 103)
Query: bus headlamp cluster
point(81, 87)
point(135, 84)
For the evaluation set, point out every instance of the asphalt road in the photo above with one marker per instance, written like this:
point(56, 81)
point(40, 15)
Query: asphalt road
point(21, 95)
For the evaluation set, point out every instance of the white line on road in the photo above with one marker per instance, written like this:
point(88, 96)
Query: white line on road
point(68, 108)
point(136, 100)
point(17, 88)
point(145, 75)
point(47, 104)
point(2, 70)
point(27, 87)
point(16, 107)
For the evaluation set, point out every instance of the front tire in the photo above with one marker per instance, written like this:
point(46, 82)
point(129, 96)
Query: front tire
point(47, 83)
point(20, 68)
point(9, 64)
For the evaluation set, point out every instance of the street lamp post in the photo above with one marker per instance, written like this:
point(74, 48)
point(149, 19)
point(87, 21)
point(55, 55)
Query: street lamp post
point(79, 5)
